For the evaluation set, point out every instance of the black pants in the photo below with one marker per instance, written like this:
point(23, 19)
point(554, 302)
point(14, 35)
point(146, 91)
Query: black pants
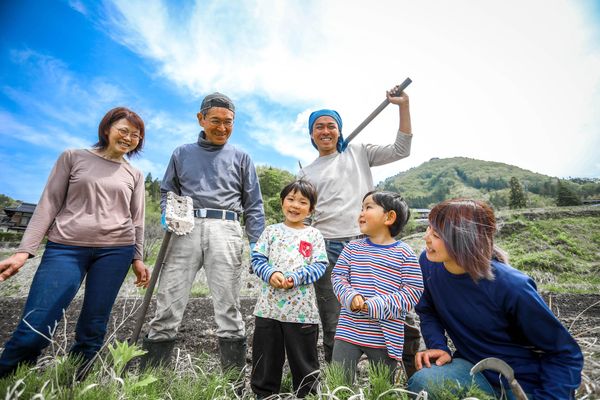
point(272, 341)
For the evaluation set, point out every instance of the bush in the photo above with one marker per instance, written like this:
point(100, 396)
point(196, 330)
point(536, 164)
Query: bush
point(10, 236)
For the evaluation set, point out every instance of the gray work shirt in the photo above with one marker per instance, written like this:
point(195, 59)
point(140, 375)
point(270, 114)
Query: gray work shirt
point(219, 177)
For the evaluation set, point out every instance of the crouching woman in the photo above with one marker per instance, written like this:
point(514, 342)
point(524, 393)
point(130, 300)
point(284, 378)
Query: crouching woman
point(92, 210)
point(488, 309)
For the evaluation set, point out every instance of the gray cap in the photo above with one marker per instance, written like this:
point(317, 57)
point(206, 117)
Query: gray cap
point(216, 99)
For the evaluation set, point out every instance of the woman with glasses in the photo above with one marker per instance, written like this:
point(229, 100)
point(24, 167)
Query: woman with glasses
point(92, 210)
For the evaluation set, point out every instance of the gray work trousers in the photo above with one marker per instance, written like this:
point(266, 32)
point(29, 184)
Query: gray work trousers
point(348, 355)
point(216, 245)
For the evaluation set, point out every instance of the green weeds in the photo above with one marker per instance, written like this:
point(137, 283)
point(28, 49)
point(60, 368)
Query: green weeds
point(451, 390)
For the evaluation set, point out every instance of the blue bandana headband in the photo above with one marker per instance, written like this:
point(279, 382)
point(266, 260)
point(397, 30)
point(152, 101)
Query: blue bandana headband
point(340, 146)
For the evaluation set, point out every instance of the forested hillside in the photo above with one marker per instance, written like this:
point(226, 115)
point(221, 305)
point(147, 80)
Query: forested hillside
point(440, 179)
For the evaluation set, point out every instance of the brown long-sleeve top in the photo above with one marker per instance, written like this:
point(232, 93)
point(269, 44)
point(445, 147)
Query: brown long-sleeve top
point(89, 201)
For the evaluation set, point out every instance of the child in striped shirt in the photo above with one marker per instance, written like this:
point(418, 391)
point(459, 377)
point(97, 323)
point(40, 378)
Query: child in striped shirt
point(377, 280)
point(289, 257)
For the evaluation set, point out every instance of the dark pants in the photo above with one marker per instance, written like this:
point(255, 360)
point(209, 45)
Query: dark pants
point(329, 311)
point(272, 341)
point(54, 286)
point(348, 354)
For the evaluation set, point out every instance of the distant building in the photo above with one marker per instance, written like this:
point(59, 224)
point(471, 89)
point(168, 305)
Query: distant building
point(593, 202)
point(16, 218)
point(421, 215)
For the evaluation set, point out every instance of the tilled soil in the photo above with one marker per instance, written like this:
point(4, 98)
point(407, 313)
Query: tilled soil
point(579, 313)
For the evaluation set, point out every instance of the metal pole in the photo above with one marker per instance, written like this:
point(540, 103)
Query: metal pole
point(148, 296)
point(380, 108)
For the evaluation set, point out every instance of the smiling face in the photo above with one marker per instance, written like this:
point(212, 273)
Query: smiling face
point(373, 220)
point(296, 207)
point(435, 248)
point(325, 134)
point(217, 124)
point(123, 137)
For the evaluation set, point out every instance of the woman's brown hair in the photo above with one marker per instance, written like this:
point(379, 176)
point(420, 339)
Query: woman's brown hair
point(113, 116)
point(467, 228)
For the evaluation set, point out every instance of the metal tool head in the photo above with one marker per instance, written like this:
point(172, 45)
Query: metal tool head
point(494, 364)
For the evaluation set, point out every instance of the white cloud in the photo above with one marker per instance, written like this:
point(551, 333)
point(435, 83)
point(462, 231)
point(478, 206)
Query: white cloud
point(51, 137)
point(78, 6)
point(505, 81)
point(55, 92)
point(288, 138)
point(169, 127)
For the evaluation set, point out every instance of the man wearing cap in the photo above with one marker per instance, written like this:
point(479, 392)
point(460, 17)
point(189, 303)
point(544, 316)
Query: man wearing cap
point(342, 176)
point(222, 182)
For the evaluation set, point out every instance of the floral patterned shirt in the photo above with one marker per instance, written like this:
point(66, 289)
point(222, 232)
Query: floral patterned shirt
point(296, 253)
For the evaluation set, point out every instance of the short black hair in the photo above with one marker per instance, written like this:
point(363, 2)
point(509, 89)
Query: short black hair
point(305, 188)
point(391, 201)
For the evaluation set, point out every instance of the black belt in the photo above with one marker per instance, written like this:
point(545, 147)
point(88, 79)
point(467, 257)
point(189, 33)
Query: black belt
point(215, 214)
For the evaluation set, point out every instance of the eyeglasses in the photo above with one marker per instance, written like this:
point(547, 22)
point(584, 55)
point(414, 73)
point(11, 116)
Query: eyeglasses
point(126, 132)
point(228, 123)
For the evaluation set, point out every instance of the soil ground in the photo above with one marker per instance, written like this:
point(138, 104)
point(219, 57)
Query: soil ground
point(580, 313)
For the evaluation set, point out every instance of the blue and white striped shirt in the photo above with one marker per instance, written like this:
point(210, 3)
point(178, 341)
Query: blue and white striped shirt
point(390, 280)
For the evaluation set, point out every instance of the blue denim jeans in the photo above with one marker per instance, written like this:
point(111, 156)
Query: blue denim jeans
point(54, 286)
point(457, 371)
point(328, 304)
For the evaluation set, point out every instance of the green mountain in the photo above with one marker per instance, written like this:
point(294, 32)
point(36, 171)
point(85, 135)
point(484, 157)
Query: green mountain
point(443, 178)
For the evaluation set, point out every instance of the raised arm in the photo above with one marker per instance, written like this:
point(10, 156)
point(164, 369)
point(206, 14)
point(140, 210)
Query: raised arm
point(381, 155)
point(403, 104)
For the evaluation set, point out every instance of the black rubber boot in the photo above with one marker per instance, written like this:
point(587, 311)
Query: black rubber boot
point(233, 358)
point(233, 353)
point(158, 353)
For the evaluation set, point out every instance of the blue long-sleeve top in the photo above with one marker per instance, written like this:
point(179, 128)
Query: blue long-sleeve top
point(504, 318)
point(216, 176)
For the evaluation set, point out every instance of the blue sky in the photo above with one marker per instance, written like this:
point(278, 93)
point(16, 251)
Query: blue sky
point(512, 81)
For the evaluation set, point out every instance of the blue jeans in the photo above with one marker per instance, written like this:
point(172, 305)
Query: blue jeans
point(54, 286)
point(457, 371)
point(327, 303)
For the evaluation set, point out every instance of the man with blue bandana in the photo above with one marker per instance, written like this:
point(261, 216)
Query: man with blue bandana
point(342, 175)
